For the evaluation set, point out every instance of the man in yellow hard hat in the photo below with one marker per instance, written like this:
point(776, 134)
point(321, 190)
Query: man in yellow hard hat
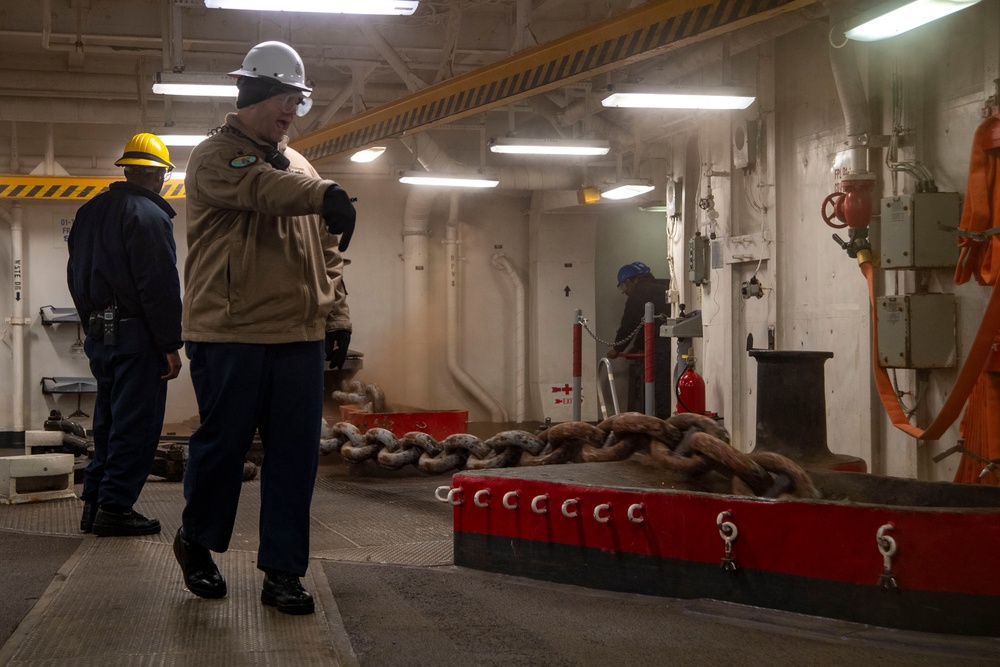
point(122, 275)
point(264, 302)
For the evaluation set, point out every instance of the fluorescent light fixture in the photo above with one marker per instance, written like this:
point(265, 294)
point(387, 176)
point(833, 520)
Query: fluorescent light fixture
point(368, 154)
point(182, 139)
point(196, 84)
point(473, 180)
point(384, 7)
point(626, 190)
point(517, 146)
point(679, 97)
point(894, 18)
point(177, 176)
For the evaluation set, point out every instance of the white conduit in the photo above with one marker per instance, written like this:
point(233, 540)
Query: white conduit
point(501, 262)
point(17, 320)
point(497, 411)
point(416, 294)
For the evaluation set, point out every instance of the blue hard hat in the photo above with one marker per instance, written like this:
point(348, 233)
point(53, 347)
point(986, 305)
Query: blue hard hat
point(631, 271)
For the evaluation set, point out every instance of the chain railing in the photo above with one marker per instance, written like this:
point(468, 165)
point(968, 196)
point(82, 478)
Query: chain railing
point(686, 443)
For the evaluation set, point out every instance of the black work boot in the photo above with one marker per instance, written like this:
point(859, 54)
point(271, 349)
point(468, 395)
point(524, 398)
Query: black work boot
point(110, 522)
point(87, 518)
point(284, 591)
point(201, 575)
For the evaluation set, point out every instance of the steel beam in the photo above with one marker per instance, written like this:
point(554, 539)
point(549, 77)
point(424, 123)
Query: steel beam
point(647, 31)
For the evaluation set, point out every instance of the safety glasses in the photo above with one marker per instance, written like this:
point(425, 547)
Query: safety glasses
point(293, 103)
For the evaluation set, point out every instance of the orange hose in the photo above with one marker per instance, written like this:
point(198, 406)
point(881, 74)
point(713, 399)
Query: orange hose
point(974, 364)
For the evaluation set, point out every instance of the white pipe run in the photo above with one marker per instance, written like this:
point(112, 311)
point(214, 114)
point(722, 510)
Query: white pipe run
point(416, 294)
point(497, 411)
point(16, 320)
point(501, 262)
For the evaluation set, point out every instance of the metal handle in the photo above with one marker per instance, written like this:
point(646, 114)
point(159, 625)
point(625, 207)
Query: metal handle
point(438, 491)
point(536, 504)
point(510, 500)
point(603, 507)
point(454, 496)
point(478, 498)
point(634, 512)
point(571, 503)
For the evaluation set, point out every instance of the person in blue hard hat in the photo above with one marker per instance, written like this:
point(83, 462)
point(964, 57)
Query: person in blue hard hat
point(640, 286)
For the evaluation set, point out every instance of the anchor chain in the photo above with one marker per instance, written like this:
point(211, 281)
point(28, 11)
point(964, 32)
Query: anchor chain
point(686, 443)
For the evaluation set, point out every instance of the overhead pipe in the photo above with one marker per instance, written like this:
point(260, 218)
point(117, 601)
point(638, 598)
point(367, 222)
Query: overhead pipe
point(853, 196)
point(497, 411)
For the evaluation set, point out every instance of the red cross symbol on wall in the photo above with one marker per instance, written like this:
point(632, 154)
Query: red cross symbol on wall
point(566, 389)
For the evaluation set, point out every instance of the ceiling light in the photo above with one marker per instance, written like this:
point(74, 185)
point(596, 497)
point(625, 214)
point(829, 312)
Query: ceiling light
point(182, 139)
point(679, 97)
point(549, 146)
point(626, 190)
point(385, 7)
point(177, 176)
point(449, 180)
point(893, 18)
point(195, 83)
point(368, 154)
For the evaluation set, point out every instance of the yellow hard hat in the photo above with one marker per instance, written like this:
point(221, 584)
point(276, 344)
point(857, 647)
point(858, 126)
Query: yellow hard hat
point(145, 150)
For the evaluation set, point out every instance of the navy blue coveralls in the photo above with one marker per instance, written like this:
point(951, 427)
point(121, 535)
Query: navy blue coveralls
point(653, 291)
point(122, 251)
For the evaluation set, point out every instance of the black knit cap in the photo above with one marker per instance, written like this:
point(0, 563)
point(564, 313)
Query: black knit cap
point(254, 90)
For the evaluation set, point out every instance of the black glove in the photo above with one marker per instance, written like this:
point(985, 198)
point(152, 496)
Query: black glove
point(339, 214)
point(336, 347)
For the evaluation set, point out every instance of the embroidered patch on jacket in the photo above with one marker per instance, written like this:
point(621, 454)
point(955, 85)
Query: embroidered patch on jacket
point(243, 161)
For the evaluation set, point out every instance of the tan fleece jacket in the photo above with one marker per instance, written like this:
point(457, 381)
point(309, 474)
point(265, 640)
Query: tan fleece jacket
point(261, 267)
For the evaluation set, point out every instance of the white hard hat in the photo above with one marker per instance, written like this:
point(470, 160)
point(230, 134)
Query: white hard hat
point(277, 62)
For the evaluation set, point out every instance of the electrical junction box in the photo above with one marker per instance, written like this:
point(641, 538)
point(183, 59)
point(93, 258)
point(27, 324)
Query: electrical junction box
point(911, 232)
point(673, 200)
point(744, 143)
point(698, 258)
point(917, 331)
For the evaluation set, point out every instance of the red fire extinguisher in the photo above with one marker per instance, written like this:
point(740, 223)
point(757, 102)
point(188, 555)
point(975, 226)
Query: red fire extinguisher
point(690, 390)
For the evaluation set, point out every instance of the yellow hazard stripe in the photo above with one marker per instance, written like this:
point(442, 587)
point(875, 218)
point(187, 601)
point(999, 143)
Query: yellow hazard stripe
point(68, 188)
point(646, 31)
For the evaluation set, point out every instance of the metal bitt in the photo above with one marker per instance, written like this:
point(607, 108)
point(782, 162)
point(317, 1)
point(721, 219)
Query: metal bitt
point(791, 409)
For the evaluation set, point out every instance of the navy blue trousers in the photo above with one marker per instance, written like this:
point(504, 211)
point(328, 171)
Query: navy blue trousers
point(277, 391)
point(661, 380)
point(128, 415)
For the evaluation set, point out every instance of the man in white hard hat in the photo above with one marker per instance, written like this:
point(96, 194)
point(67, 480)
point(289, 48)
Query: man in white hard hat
point(264, 301)
point(122, 275)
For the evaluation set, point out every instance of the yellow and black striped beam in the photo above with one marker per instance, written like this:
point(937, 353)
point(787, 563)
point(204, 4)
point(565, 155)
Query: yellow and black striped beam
point(647, 31)
point(68, 188)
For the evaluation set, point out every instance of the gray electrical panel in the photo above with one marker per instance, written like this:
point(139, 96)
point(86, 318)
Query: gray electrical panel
point(917, 331)
point(698, 259)
point(912, 236)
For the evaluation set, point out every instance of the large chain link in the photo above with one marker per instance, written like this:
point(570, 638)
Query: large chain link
point(586, 327)
point(686, 443)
